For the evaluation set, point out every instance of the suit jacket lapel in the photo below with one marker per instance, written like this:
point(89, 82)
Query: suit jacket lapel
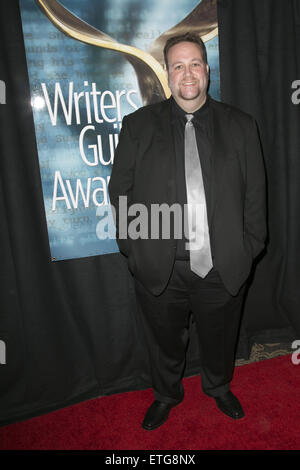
point(220, 142)
point(220, 148)
point(166, 149)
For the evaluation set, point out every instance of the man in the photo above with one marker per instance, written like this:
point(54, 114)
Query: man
point(193, 151)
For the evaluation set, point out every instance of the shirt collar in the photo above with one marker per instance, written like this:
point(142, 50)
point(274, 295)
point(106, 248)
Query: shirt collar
point(199, 115)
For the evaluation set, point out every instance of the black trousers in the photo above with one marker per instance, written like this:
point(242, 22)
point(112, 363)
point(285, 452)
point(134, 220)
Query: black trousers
point(166, 320)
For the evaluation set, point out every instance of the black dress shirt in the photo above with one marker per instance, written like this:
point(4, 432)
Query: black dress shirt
point(202, 124)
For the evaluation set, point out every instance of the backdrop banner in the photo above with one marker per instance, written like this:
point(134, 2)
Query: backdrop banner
point(89, 64)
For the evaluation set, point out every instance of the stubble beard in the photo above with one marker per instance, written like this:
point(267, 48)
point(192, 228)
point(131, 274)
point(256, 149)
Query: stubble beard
point(198, 96)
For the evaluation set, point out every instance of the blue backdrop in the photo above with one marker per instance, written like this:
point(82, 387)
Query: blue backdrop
point(79, 95)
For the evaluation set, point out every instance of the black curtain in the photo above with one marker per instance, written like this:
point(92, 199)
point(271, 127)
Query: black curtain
point(71, 328)
point(259, 61)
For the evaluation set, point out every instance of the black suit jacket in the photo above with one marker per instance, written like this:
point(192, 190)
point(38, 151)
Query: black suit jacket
point(144, 170)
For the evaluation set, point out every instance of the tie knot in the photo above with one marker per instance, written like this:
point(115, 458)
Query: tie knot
point(189, 117)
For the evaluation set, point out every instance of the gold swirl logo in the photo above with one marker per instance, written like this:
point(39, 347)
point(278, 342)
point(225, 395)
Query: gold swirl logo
point(148, 65)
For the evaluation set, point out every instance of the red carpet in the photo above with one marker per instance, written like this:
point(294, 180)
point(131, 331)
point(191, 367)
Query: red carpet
point(268, 390)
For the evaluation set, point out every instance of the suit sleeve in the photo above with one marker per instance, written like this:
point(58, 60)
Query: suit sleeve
point(255, 229)
point(121, 183)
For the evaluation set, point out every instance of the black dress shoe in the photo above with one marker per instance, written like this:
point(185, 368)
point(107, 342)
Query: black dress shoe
point(156, 415)
point(230, 405)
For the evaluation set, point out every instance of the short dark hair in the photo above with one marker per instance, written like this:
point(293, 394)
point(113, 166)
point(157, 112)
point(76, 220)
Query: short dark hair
point(186, 37)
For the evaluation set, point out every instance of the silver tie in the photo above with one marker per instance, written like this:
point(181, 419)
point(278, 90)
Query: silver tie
point(198, 232)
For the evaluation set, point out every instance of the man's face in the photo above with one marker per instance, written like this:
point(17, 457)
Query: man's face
point(187, 75)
